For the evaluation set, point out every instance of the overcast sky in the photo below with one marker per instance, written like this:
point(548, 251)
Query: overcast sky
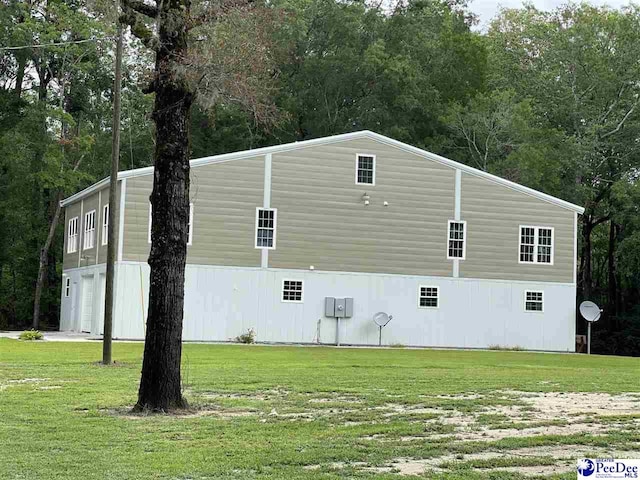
point(487, 9)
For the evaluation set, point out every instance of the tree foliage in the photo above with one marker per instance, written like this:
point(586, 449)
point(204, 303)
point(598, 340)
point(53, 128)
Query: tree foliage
point(548, 99)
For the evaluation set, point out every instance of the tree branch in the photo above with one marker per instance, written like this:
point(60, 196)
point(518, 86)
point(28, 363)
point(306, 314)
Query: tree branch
point(621, 124)
point(139, 29)
point(139, 6)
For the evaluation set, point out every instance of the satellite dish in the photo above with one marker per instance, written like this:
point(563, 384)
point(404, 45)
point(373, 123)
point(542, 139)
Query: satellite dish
point(381, 318)
point(590, 311)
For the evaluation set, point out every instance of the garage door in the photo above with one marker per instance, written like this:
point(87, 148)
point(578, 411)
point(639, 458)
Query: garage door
point(87, 303)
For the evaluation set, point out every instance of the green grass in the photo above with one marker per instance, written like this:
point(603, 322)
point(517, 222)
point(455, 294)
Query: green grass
point(271, 412)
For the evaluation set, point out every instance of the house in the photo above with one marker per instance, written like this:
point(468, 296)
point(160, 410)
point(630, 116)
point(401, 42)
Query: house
point(459, 257)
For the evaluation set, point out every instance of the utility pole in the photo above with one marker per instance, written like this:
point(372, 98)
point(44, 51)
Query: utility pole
point(113, 198)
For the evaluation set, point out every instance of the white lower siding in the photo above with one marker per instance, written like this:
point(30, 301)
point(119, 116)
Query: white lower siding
point(71, 307)
point(223, 302)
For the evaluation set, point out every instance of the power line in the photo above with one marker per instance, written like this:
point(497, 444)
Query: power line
point(55, 44)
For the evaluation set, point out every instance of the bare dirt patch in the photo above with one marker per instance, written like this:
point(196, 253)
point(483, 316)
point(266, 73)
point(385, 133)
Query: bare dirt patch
point(535, 414)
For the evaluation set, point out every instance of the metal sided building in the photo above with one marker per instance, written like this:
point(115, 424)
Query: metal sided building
point(459, 257)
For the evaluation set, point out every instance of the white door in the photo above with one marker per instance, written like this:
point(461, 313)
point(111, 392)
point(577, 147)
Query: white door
point(102, 284)
point(87, 304)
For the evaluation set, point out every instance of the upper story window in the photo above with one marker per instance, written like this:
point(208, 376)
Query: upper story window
point(457, 245)
point(533, 301)
point(105, 224)
point(365, 169)
point(89, 230)
point(292, 291)
point(189, 225)
point(429, 297)
point(536, 245)
point(72, 235)
point(266, 227)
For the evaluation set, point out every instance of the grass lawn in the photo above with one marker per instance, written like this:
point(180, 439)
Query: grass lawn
point(314, 413)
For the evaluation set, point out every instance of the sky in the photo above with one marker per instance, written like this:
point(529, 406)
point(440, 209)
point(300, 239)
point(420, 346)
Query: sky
point(486, 9)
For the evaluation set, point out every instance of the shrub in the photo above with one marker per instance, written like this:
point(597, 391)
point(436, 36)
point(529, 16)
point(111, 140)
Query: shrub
point(249, 337)
point(31, 335)
point(515, 348)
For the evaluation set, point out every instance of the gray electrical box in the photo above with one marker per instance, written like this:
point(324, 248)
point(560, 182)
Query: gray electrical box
point(338, 307)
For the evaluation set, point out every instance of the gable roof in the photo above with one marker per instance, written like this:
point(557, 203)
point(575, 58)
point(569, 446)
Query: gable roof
point(363, 134)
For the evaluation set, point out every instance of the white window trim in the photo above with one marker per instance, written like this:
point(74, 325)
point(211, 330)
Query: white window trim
point(524, 305)
point(105, 225)
point(85, 231)
point(75, 236)
point(282, 290)
point(535, 244)
point(358, 155)
point(420, 287)
point(67, 287)
point(275, 229)
point(189, 240)
point(464, 239)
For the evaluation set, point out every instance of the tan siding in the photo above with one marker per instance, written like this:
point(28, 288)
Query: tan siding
point(102, 252)
point(494, 214)
point(323, 222)
point(225, 197)
point(93, 202)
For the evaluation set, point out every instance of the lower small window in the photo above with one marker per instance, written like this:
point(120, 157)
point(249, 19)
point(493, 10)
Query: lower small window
point(533, 301)
point(429, 297)
point(67, 287)
point(292, 291)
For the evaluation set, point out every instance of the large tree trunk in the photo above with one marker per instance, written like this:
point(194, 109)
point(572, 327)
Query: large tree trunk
point(160, 386)
point(44, 257)
point(22, 65)
point(586, 277)
point(612, 300)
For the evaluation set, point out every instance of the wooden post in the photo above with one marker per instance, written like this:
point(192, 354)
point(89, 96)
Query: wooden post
point(113, 201)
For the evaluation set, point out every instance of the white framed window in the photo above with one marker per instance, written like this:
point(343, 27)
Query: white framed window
point(189, 225)
point(457, 240)
point(72, 235)
point(89, 230)
point(365, 169)
point(533, 301)
point(105, 224)
point(428, 296)
point(535, 245)
point(67, 287)
point(292, 291)
point(266, 225)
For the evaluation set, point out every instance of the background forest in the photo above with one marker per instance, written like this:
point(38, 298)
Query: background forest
point(546, 99)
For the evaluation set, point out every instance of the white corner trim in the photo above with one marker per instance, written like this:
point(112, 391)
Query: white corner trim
point(266, 200)
point(190, 239)
point(331, 140)
point(98, 236)
point(575, 248)
point(458, 194)
point(123, 193)
point(456, 216)
point(266, 203)
point(80, 234)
